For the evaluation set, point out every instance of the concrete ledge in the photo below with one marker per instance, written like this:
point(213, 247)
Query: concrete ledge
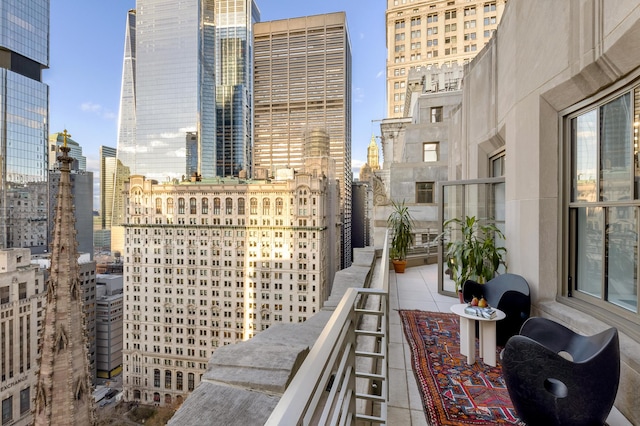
point(244, 382)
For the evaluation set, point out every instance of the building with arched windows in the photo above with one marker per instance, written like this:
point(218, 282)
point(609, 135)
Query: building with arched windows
point(213, 262)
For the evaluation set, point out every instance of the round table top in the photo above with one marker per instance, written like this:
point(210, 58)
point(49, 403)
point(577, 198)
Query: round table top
point(458, 309)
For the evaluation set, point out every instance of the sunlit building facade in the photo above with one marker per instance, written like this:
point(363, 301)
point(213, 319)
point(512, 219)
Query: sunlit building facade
point(22, 298)
point(426, 33)
point(213, 262)
point(303, 84)
point(24, 53)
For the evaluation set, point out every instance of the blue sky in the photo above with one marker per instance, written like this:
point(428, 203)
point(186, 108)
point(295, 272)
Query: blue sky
point(85, 66)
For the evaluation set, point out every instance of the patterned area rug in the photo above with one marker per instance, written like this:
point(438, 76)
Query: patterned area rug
point(454, 392)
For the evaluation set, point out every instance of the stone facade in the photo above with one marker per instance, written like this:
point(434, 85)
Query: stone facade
point(213, 262)
point(550, 62)
point(22, 298)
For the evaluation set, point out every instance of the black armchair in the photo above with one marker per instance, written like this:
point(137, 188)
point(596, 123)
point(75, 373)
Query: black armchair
point(510, 294)
point(557, 377)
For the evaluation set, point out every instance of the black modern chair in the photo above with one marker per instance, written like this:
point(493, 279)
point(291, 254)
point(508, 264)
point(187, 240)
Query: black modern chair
point(507, 292)
point(557, 377)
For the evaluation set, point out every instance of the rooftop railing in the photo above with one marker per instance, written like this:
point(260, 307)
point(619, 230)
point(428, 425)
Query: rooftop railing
point(344, 378)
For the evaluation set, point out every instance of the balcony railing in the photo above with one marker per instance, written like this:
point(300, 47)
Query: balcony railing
point(344, 379)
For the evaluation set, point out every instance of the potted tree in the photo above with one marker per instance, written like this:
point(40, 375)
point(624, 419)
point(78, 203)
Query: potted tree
point(401, 224)
point(474, 255)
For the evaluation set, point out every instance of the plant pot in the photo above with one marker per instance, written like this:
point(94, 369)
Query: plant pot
point(399, 266)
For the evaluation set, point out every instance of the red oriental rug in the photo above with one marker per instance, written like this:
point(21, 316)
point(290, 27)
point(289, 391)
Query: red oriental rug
point(454, 392)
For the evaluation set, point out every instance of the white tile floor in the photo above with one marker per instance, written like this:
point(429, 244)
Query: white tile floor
point(417, 288)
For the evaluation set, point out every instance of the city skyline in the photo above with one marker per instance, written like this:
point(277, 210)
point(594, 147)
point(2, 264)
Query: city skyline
point(85, 88)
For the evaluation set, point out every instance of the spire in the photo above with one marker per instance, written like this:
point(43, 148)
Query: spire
point(372, 154)
point(63, 391)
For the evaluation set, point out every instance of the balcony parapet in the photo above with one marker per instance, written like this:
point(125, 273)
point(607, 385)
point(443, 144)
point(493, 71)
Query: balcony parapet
point(244, 382)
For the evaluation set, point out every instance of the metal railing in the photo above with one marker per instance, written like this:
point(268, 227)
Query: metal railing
point(344, 378)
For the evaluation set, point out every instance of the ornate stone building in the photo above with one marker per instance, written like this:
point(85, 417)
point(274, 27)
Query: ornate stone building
point(213, 262)
point(63, 391)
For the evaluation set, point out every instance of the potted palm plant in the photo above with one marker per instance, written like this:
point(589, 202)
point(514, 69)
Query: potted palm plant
point(474, 255)
point(400, 223)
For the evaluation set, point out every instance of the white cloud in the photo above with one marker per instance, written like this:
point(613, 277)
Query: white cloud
point(358, 95)
point(98, 110)
point(356, 165)
point(380, 74)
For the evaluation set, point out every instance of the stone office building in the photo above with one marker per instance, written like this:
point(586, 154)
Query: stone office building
point(213, 262)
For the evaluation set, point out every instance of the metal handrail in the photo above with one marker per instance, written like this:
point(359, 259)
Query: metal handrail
point(331, 387)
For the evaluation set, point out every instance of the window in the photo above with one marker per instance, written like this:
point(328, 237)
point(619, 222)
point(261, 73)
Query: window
point(603, 204)
point(451, 40)
point(191, 382)
point(469, 24)
point(470, 36)
point(240, 205)
point(156, 378)
point(430, 151)
point(432, 17)
point(180, 205)
point(192, 206)
point(400, 37)
point(490, 20)
point(228, 206)
point(450, 14)
point(253, 206)
point(418, 45)
point(431, 31)
point(22, 291)
point(418, 33)
point(471, 48)
point(7, 410)
point(158, 205)
point(179, 380)
point(416, 21)
point(468, 11)
point(424, 192)
point(25, 401)
point(216, 206)
point(450, 27)
point(4, 294)
point(436, 114)
point(400, 48)
point(170, 206)
point(205, 206)
point(489, 7)
point(399, 24)
point(167, 379)
point(488, 33)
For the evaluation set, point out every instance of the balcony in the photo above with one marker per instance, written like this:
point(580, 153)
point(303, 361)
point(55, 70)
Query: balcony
point(348, 364)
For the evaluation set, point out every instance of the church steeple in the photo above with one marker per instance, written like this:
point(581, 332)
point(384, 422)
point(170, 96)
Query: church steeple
point(63, 391)
point(372, 154)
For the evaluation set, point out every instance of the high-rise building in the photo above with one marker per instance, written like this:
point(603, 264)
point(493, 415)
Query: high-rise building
point(22, 298)
point(24, 53)
point(56, 140)
point(234, 21)
point(102, 223)
point(109, 334)
point(302, 83)
point(213, 262)
point(424, 33)
point(173, 122)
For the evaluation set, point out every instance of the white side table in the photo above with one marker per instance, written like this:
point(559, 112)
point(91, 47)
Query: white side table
point(468, 334)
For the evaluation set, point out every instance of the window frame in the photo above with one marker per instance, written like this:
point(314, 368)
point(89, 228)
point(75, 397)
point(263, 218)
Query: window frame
point(425, 145)
point(426, 192)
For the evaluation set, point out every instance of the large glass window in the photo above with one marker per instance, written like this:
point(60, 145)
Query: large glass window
point(424, 192)
point(604, 203)
point(430, 152)
point(25, 401)
point(7, 410)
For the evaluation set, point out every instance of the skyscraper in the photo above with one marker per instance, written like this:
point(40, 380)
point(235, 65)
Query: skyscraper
point(173, 122)
point(24, 53)
point(303, 82)
point(426, 33)
point(234, 21)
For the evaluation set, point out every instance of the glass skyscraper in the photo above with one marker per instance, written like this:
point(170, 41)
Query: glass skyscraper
point(186, 89)
point(24, 99)
point(234, 85)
